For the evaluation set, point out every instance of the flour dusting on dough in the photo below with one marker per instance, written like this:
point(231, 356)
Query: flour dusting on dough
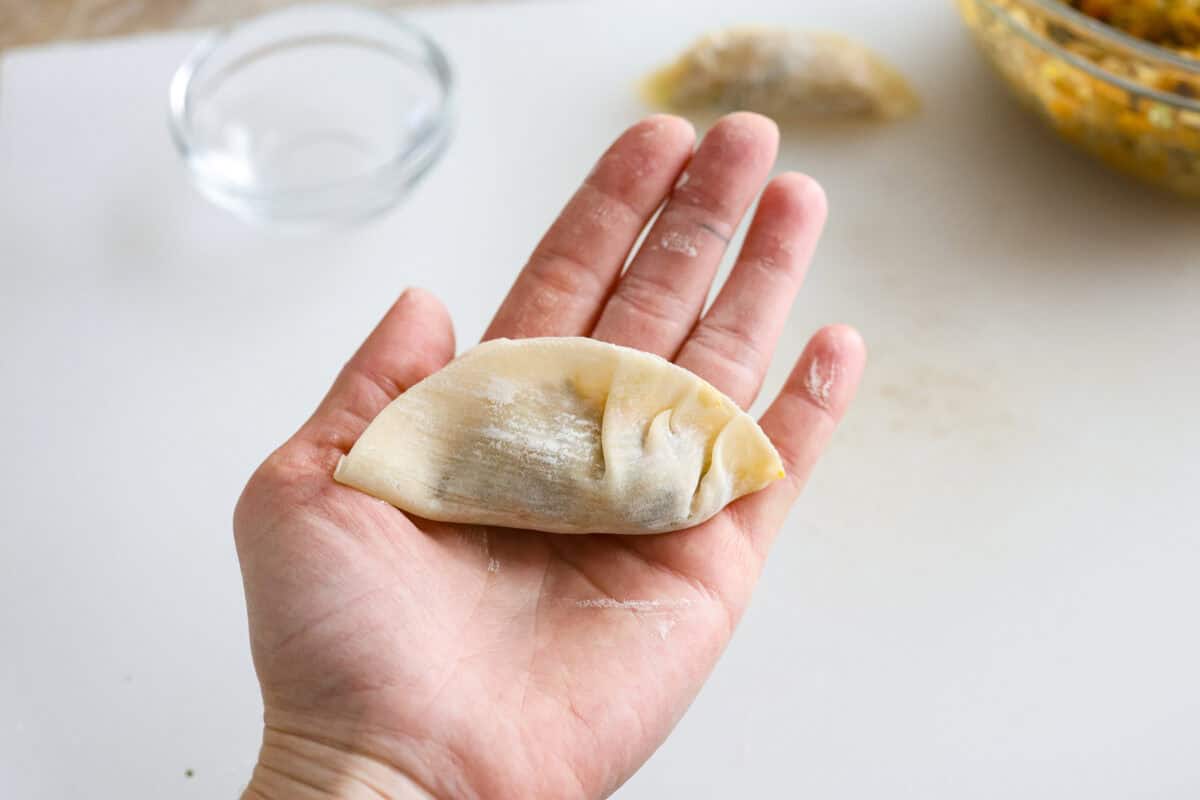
point(548, 450)
point(501, 391)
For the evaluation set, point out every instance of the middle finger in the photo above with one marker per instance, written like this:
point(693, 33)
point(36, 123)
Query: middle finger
point(660, 296)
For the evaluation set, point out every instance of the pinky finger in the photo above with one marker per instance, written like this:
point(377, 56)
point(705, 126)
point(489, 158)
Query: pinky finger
point(801, 421)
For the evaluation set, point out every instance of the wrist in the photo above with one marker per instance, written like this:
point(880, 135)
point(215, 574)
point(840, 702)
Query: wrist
point(296, 766)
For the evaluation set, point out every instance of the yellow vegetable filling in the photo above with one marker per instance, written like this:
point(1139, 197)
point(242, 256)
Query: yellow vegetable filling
point(1135, 111)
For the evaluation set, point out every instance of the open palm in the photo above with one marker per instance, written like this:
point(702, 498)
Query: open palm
point(402, 657)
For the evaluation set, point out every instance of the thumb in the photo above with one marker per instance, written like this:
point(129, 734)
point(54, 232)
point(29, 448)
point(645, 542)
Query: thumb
point(414, 339)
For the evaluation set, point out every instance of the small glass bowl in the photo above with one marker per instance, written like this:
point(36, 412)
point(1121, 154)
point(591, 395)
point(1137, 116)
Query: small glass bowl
point(1130, 103)
point(311, 116)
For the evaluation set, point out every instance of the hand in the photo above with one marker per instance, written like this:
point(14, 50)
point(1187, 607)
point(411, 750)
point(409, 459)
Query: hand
point(405, 658)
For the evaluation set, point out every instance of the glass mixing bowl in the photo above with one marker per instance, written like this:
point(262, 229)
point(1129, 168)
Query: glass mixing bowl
point(1132, 104)
point(311, 116)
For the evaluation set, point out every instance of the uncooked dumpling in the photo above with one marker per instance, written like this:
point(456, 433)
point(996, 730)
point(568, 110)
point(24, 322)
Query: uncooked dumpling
point(569, 435)
point(782, 73)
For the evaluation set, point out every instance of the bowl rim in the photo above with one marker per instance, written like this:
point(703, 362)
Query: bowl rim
point(429, 141)
point(1104, 30)
point(1062, 11)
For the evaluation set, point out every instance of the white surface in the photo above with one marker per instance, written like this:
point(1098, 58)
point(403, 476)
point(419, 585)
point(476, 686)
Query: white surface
point(989, 590)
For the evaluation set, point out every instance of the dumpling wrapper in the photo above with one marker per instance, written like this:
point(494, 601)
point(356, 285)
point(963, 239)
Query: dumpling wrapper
point(786, 74)
point(568, 435)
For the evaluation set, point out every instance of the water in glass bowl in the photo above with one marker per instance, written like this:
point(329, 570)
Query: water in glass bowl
point(312, 123)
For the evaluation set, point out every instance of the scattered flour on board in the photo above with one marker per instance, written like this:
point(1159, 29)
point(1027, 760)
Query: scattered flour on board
point(676, 242)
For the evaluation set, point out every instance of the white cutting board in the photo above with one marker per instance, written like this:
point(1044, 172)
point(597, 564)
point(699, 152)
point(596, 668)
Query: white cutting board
point(989, 591)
